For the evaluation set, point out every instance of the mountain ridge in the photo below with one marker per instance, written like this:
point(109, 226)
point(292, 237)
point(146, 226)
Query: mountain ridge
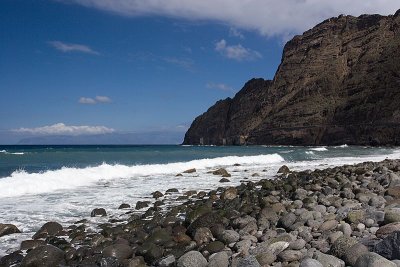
point(337, 83)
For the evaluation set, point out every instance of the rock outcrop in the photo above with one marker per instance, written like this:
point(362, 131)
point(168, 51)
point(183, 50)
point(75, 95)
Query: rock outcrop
point(338, 83)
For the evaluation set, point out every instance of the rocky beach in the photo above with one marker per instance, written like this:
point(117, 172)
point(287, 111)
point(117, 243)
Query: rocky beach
point(340, 216)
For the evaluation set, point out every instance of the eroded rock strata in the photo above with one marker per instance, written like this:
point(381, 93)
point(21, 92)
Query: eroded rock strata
point(338, 83)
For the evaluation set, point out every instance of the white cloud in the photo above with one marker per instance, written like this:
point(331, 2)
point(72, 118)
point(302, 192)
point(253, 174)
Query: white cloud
point(236, 52)
point(86, 100)
point(62, 129)
point(92, 101)
point(103, 99)
point(219, 86)
point(66, 48)
point(269, 17)
point(235, 33)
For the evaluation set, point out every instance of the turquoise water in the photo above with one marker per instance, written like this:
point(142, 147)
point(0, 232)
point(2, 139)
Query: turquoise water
point(42, 158)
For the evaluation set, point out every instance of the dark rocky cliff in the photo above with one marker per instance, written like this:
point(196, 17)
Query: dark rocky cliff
point(338, 83)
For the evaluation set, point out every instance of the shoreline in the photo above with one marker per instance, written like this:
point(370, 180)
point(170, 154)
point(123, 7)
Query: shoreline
point(337, 215)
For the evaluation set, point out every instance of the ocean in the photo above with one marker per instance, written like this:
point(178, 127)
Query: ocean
point(64, 183)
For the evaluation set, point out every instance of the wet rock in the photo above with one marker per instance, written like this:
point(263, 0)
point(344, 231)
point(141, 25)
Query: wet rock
point(284, 169)
point(310, 263)
point(192, 259)
point(48, 229)
point(119, 251)
point(157, 194)
point(31, 244)
point(124, 206)
point(141, 204)
point(222, 172)
point(11, 259)
point(372, 259)
point(172, 190)
point(206, 220)
point(8, 229)
point(190, 171)
point(98, 212)
point(43, 256)
point(150, 251)
point(224, 180)
point(229, 194)
point(219, 259)
point(159, 237)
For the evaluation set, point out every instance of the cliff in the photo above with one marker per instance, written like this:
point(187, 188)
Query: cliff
point(338, 83)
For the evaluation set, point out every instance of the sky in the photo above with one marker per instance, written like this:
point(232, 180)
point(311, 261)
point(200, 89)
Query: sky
point(79, 68)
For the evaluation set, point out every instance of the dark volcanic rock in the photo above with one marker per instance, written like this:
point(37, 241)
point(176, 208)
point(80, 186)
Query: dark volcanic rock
point(7, 229)
point(119, 251)
point(98, 212)
point(43, 256)
point(389, 247)
point(48, 229)
point(337, 83)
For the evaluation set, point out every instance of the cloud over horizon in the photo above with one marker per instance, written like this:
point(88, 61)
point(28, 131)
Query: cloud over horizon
point(62, 129)
point(268, 17)
point(68, 47)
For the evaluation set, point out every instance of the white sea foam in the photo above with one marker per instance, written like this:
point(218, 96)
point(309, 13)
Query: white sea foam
point(319, 149)
point(11, 153)
point(21, 182)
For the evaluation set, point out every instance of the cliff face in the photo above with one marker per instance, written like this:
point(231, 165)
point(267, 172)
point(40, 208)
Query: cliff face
point(338, 83)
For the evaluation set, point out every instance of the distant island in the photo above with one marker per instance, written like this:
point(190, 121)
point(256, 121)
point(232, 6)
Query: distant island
point(338, 83)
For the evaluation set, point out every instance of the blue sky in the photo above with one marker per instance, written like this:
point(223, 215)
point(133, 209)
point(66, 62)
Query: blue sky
point(81, 67)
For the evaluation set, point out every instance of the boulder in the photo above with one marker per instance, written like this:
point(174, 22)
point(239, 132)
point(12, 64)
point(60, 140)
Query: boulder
point(219, 259)
point(388, 229)
point(190, 171)
point(222, 172)
point(48, 229)
point(119, 251)
point(192, 259)
point(8, 229)
point(310, 263)
point(229, 194)
point(341, 245)
point(353, 253)
point(328, 260)
point(43, 256)
point(372, 259)
point(98, 212)
point(389, 246)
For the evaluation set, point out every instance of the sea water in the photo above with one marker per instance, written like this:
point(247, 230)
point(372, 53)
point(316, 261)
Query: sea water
point(64, 183)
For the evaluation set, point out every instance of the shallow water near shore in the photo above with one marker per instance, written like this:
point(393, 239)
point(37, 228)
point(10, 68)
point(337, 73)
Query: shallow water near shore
point(64, 183)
